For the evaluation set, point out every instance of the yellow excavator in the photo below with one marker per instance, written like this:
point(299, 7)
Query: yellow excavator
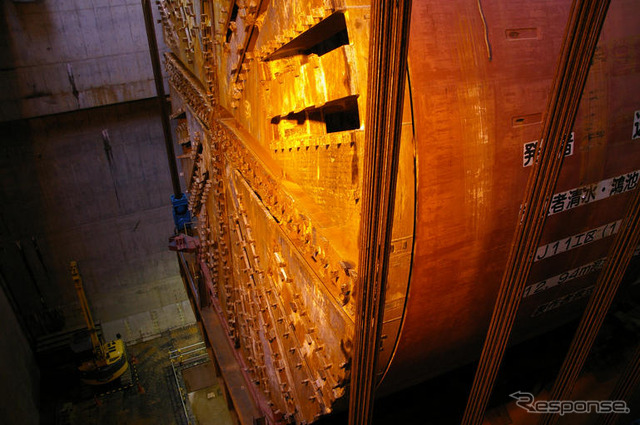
point(109, 360)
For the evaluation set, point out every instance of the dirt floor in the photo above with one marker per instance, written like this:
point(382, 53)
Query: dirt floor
point(154, 396)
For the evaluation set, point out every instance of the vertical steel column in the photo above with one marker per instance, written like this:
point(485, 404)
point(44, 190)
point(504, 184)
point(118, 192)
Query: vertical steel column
point(600, 301)
point(580, 39)
point(385, 92)
point(162, 98)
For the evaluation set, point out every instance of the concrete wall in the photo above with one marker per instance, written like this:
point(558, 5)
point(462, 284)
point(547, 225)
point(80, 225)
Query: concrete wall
point(63, 55)
point(91, 186)
point(19, 375)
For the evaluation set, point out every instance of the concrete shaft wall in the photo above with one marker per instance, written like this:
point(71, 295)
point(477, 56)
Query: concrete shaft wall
point(86, 181)
point(19, 373)
point(91, 186)
point(63, 55)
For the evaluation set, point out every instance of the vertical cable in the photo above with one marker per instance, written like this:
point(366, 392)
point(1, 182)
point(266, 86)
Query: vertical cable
point(486, 31)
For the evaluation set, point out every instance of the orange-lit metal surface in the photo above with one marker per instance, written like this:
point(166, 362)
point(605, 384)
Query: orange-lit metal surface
point(478, 109)
point(269, 99)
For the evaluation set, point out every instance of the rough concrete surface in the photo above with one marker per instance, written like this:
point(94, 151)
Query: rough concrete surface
point(91, 186)
point(58, 56)
point(209, 407)
point(19, 374)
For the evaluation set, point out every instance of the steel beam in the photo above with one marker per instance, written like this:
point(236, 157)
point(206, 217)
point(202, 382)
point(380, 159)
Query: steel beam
point(581, 36)
point(389, 39)
point(627, 383)
point(600, 301)
point(162, 98)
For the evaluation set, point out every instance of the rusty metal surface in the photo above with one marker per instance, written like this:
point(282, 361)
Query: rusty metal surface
point(275, 188)
point(243, 400)
point(475, 115)
point(269, 102)
point(578, 46)
point(199, 377)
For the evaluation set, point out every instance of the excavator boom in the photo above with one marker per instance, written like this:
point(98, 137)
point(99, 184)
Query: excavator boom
point(109, 359)
point(84, 304)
